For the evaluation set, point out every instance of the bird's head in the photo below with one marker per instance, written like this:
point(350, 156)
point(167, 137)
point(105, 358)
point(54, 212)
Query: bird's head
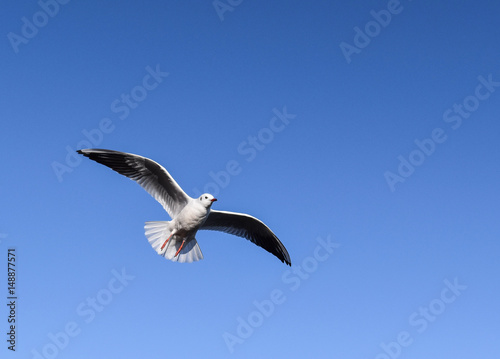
point(207, 199)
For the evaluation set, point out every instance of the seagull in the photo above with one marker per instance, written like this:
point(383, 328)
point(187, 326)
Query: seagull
point(175, 240)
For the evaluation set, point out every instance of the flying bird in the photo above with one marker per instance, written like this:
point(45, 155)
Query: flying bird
point(175, 240)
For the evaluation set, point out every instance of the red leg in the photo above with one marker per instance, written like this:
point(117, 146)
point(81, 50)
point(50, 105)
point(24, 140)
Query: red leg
point(182, 245)
point(164, 243)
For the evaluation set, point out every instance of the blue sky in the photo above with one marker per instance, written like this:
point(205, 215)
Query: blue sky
point(381, 181)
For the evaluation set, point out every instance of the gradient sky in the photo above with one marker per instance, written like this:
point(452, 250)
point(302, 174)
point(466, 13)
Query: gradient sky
point(381, 180)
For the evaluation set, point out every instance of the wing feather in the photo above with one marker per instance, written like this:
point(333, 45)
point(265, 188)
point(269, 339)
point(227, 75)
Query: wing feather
point(246, 226)
point(147, 173)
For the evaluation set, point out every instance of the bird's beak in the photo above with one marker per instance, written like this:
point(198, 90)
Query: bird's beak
point(214, 199)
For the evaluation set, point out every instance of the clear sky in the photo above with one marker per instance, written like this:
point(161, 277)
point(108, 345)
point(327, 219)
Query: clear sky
point(364, 134)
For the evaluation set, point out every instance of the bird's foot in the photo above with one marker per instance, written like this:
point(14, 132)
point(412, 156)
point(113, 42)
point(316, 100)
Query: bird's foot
point(164, 243)
point(182, 245)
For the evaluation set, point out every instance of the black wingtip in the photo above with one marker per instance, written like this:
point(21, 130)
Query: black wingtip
point(86, 154)
point(91, 152)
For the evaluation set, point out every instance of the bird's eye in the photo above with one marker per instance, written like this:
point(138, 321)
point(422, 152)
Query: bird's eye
point(206, 197)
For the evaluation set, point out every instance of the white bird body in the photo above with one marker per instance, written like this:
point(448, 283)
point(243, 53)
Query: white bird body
point(181, 229)
point(191, 217)
point(175, 239)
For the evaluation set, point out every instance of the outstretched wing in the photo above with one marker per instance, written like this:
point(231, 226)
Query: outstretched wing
point(243, 225)
point(150, 175)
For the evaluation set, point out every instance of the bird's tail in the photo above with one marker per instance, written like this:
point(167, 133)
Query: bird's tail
point(157, 233)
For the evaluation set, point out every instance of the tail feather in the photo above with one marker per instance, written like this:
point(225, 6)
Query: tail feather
point(158, 231)
point(155, 231)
